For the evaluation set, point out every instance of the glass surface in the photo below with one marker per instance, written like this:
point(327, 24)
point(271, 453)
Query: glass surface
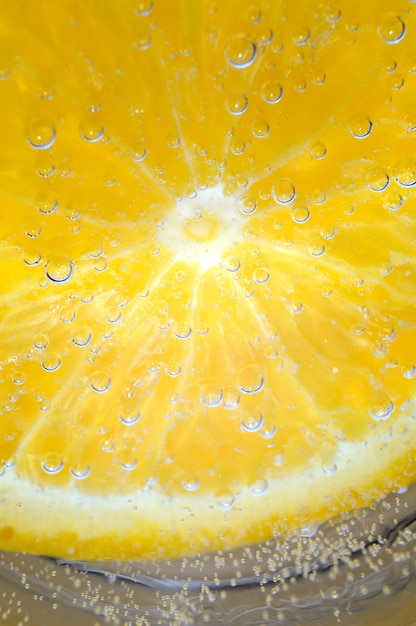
point(359, 568)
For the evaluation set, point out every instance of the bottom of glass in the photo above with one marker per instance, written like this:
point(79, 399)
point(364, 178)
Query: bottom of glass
point(361, 565)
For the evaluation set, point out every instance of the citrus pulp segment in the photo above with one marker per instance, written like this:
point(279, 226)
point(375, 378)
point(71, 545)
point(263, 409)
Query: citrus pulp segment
point(207, 313)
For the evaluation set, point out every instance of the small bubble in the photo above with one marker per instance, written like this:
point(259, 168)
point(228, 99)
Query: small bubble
point(129, 417)
point(300, 214)
point(317, 250)
point(19, 378)
point(91, 130)
point(173, 141)
point(139, 154)
point(191, 485)
point(41, 135)
point(80, 472)
point(392, 29)
point(248, 205)
point(144, 7)
point(272, 91)
point(41, 341)
point(59, 269)
point(319, 196)
point(382, 409)
point(332, 14)
point(254, 14)
point(52, 463)
point(67, 314)
point(329, 469)
point(240, 52)
point(173, 369)
point(51, 361)
point(394, 201)
point(232, 263)
point(261, 275)
point(238, 146)
point(211, 395)
point(409, 371)
point(250, 379)
point(143, 41)
point(301, 36)
point(33, 229)
point(360, 126)
point(5, 71)
point(318, 150)
point(406, 173)
point(252, 423)
point(183, 331)
point(47, 203)
point(81, 336)
point(236, 103)
point(45, 167)
point(258, 487)
point(378, 180)
point(260, 128)
point(225, 500)
point(283, 191)
point(32, 256)
point(231, 398)
point(100, 381)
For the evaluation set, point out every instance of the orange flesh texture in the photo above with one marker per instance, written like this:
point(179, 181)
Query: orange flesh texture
point(191, 359)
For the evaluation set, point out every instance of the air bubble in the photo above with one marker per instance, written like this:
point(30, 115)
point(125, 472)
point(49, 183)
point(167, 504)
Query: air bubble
point(360, 126)
point(81, 336)
point(283, 191)
point(173, 141)
point(238, 146)
point(378, 180)
point(33, 229)
point(45, 167)
point(67, 314)
point(191, 485)
point(139, 154)
point(260, 128)
point(52, 463)
point(59, 269)
point(184, 331)
point(394, 201)
point(252, 423)
point(231, 399)
point(232, 263)
point(100, 381)
point(130, 417)
point(47, 203)
point(51, 361)
point(173, 369)
point(91, 130)
point(318, 150)
point(409, 371)
point(250, 379)
point(80, 472)
point(211, 395)
point(406, 173)
point(272, 91)
point(225, 500)
point(261, 275)
point(144, 8)
point(240, 52)
point(258, 487)
point(41, 341)
point(300, 214)
point(392, 29)
point(32, 256)
point(19, 378)
point(237, 103)
point(382, 410)
point(301, 36)
point(41, 135)
point(248, 205)
point(143, 41)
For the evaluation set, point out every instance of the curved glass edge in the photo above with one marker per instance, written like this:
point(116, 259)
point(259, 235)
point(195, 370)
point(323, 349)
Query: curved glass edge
point(354, 564)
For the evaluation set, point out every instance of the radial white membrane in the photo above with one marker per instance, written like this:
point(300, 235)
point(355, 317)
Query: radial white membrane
point(203, 228)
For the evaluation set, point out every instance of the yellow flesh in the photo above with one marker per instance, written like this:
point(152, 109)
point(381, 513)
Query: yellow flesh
point(191, 359)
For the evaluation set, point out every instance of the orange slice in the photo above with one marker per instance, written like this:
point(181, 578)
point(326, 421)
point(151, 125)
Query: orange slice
point(207, 314)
